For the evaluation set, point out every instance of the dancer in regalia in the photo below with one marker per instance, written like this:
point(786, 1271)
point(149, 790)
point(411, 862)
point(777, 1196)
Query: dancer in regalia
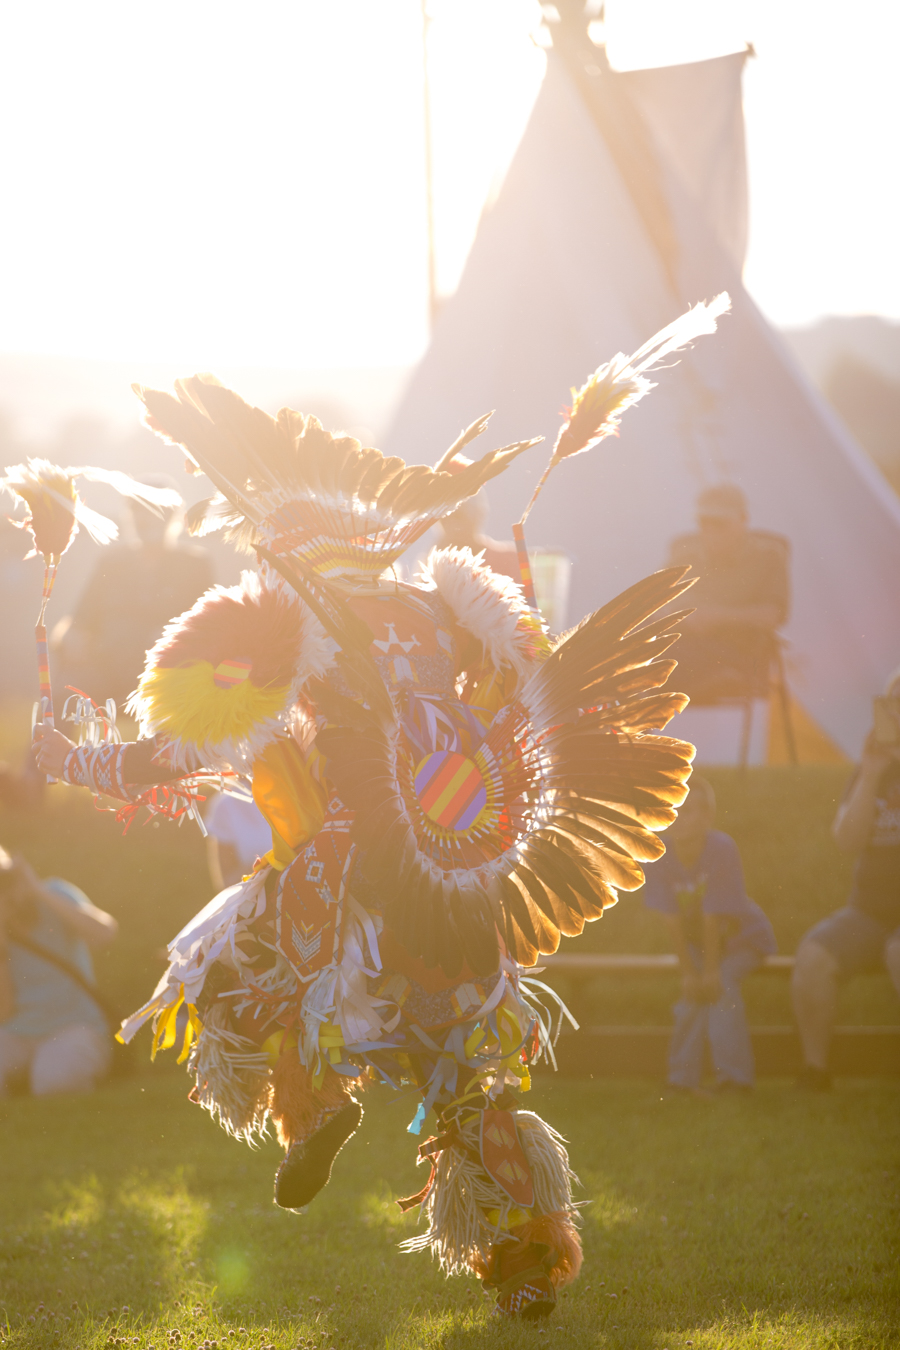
point(449, 791)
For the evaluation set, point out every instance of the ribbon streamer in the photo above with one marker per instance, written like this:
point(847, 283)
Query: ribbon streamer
point(522, 555)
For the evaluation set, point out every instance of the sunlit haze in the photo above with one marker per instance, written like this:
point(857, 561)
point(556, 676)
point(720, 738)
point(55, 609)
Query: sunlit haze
point(222, 183)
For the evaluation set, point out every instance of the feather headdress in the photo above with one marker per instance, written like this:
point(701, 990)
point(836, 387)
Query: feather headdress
point(339, 508)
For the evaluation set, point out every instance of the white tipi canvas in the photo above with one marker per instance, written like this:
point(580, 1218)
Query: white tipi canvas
point(596, 241)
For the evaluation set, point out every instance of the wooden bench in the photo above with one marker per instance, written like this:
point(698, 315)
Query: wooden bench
point(640, 1052)
point(581, 966)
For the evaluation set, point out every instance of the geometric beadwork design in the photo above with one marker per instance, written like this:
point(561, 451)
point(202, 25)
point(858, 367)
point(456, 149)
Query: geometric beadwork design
point(504, 1158)
point(308, 909)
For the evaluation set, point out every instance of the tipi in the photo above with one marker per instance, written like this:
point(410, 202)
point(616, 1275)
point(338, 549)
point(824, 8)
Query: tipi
point(625, 203)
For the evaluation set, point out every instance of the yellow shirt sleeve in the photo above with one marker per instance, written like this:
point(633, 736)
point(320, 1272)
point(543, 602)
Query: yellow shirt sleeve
point(290, 799)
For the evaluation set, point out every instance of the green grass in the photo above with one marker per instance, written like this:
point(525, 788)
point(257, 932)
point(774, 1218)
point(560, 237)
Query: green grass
point(132, 1197)
point(750, 1224)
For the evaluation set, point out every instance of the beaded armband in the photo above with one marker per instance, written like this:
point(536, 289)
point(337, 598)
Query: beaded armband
point(100, 768)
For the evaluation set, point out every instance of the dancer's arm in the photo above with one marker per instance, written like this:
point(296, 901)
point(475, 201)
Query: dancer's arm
point(111, 769)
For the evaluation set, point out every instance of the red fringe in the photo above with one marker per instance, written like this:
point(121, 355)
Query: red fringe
point(161, 799)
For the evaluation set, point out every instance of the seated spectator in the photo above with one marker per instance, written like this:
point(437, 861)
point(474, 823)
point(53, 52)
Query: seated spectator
point(237, 834)
point(464, 528)
point(51, 1025)
point(22, 789)
point(864, 936)
point(741, 598)
point(719, 936)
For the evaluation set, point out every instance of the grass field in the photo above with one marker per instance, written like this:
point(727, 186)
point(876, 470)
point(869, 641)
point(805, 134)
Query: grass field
point(770, 1222)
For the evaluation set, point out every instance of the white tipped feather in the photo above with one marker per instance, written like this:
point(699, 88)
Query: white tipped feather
point(101, 529)
point(127, 486)
point(697, 322)
point(618, 384)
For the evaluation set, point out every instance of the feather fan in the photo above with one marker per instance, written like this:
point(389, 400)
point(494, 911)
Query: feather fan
point(55, 512)
point(600, 781)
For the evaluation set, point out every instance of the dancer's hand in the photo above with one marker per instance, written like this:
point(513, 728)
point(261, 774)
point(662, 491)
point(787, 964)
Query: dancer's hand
point(50, 750)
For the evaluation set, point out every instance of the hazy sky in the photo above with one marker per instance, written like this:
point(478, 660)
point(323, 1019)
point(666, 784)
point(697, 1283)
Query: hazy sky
point(242, 184)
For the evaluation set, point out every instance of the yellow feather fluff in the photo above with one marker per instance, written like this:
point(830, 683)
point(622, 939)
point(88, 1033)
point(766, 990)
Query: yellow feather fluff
point(186, 704)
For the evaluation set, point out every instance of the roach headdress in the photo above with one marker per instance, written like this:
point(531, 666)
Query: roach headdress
point(321, 499)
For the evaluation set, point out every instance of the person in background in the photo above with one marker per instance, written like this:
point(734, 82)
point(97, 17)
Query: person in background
point(864, 936)
point(464, 528)
point(51, 1026)
point(237, 834)
point(719, 935)
point(133, 592)
point(741, 598)
point(22, 789)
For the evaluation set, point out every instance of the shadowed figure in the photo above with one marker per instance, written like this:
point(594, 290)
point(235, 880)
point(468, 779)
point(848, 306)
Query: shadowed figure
point(864, 936)
point(741, 599)
point(464, 528)
point(719, 935)
point(52, 1028)
point(133, 591)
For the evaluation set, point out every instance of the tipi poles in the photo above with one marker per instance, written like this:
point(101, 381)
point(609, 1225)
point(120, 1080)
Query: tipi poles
point(429, 170)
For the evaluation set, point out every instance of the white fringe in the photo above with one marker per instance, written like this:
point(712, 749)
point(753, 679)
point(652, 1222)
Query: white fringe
point(487, 605)
point(232, 1078)
point(463, 1192)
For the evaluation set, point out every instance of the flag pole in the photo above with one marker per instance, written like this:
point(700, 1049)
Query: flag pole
point(429, 171)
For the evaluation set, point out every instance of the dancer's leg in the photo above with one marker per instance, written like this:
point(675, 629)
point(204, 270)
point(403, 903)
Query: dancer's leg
point(312, 1124)
point(525, 1248)
point(729, 1035)
point(540, 1257)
